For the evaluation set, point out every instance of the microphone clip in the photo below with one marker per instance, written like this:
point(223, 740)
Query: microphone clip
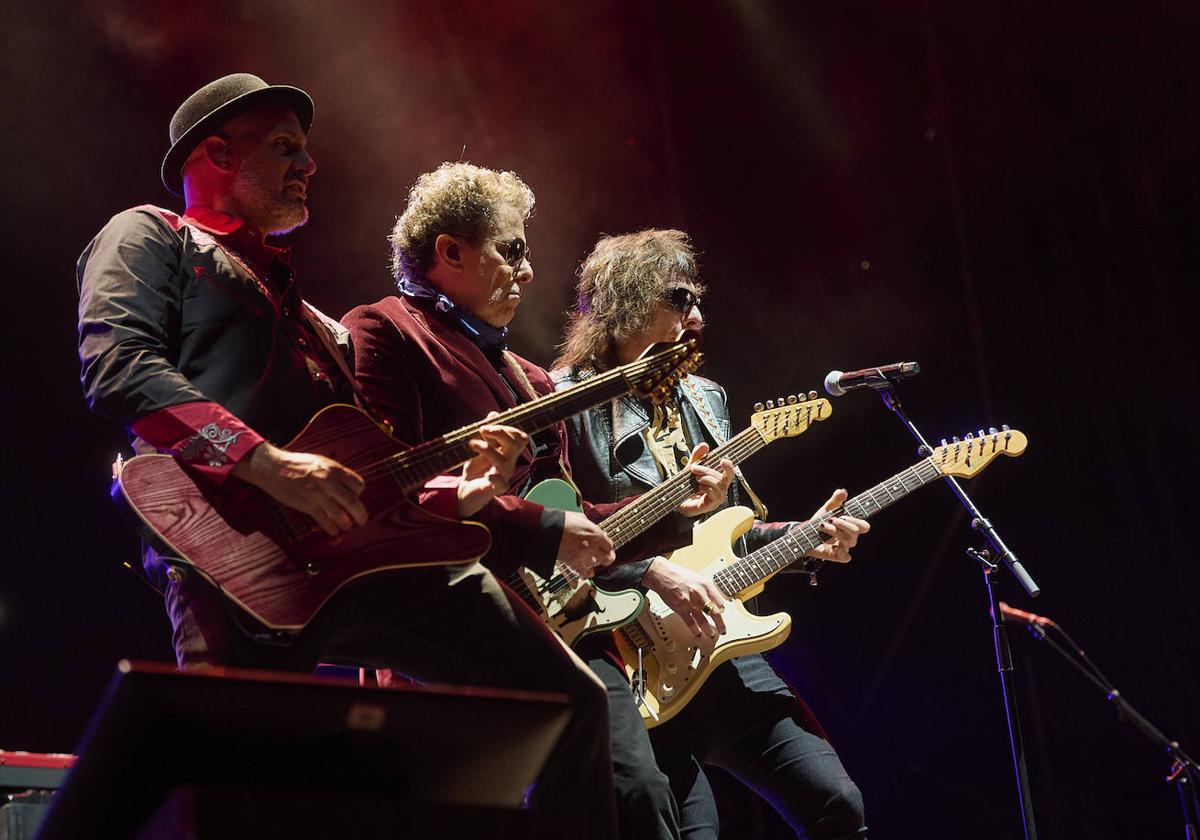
point(984, 557)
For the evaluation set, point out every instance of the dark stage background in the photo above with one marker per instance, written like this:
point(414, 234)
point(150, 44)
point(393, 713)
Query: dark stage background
point(1006, 193)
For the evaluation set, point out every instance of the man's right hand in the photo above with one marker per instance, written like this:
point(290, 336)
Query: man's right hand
point(309, 483)
point(584, 546)
point(695, 598)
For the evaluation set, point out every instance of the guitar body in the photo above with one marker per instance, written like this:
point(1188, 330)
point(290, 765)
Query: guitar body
point(575, 609)
point(275, 562)
point(676, 662)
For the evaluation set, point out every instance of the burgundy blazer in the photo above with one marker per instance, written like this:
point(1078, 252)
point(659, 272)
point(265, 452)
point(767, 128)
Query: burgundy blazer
point(425, 377)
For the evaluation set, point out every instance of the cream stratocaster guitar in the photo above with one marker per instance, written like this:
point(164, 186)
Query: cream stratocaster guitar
point(676, 663)
point(575, 607)
point(279, 566)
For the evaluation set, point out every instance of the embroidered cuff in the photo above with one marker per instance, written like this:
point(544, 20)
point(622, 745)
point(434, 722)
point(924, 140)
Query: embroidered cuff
point(201, 434)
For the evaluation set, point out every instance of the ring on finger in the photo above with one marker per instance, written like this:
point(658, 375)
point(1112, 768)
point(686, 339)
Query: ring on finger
point(711, 609)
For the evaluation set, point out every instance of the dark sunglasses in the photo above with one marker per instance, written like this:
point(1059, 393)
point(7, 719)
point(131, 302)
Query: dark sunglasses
point(513, 251)
point(683, 299)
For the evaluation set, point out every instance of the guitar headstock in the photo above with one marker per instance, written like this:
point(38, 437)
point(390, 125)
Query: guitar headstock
point(789, 416)
point(967, 457)
point(661, 365)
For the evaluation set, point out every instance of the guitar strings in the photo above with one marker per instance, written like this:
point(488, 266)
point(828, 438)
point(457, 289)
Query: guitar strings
point(659, 500)
point(673, 491)
point(777, 555)
point(412, 467)
point(669, 494)
point(864, 505)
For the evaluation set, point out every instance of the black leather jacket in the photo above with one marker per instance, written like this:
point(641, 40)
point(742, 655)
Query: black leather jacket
point(609, 460)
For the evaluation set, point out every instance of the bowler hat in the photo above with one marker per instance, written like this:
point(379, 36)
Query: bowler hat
point(216, 104)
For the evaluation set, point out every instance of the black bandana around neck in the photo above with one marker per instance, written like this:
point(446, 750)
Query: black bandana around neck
point(486, 337)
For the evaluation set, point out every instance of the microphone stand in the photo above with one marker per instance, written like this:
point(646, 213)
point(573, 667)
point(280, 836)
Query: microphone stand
point(988, 565)
point(1184, 773)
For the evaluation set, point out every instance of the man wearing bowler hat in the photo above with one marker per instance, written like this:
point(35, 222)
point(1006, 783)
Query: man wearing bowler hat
point(193, 334)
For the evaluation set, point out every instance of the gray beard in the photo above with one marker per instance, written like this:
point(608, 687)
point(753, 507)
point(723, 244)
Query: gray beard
point(273, 212)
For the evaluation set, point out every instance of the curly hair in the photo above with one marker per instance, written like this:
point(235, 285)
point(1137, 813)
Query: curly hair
point(455, 198)
point(619, 283)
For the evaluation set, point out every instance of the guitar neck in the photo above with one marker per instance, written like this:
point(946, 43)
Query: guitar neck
point(415, 466)
point(777, 555)
point(633, 519)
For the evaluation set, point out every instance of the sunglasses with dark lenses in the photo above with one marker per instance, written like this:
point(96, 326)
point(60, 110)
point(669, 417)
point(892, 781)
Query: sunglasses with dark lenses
point(683, 299)
point(515, 251)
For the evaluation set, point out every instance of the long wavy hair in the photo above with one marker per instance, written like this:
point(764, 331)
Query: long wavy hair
point(455, 198)
point(619, 283)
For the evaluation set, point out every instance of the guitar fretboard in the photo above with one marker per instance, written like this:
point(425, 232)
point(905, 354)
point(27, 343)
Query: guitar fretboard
point(636, 517)
point(653, 505)
point(777, 555)
point(413, 467)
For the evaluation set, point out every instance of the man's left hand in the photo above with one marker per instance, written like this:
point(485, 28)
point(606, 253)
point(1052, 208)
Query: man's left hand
point(712, 486)
point(844, 530)
point(487, 474)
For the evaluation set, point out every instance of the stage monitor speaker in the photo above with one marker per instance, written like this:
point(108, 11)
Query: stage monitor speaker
point(158, 730)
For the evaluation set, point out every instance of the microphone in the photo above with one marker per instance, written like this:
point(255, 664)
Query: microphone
point(1014, 614)
point(838, 383)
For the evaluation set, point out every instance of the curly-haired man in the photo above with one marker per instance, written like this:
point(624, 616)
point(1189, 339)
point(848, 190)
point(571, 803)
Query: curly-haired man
point(434, 358)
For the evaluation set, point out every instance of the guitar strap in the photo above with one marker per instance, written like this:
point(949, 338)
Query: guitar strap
point(696, 398)
point(519, 378)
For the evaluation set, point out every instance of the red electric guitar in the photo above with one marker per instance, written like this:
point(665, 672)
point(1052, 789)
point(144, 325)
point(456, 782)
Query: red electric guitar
point(280, 567)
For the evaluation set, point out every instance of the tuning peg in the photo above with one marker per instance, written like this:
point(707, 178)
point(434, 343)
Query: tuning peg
point(980, 433)
point(759, 406)
point(781, 402)
point(791, 400)
point(802, 397)
point(812, 395)
point(770, 403)
point(954, 439)
point(943, 442)
point(1004, 427)
point(992, 430)
point(970, 436)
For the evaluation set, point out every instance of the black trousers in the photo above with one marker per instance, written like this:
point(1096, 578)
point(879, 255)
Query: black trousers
point(746, 720)
point(646, 806)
